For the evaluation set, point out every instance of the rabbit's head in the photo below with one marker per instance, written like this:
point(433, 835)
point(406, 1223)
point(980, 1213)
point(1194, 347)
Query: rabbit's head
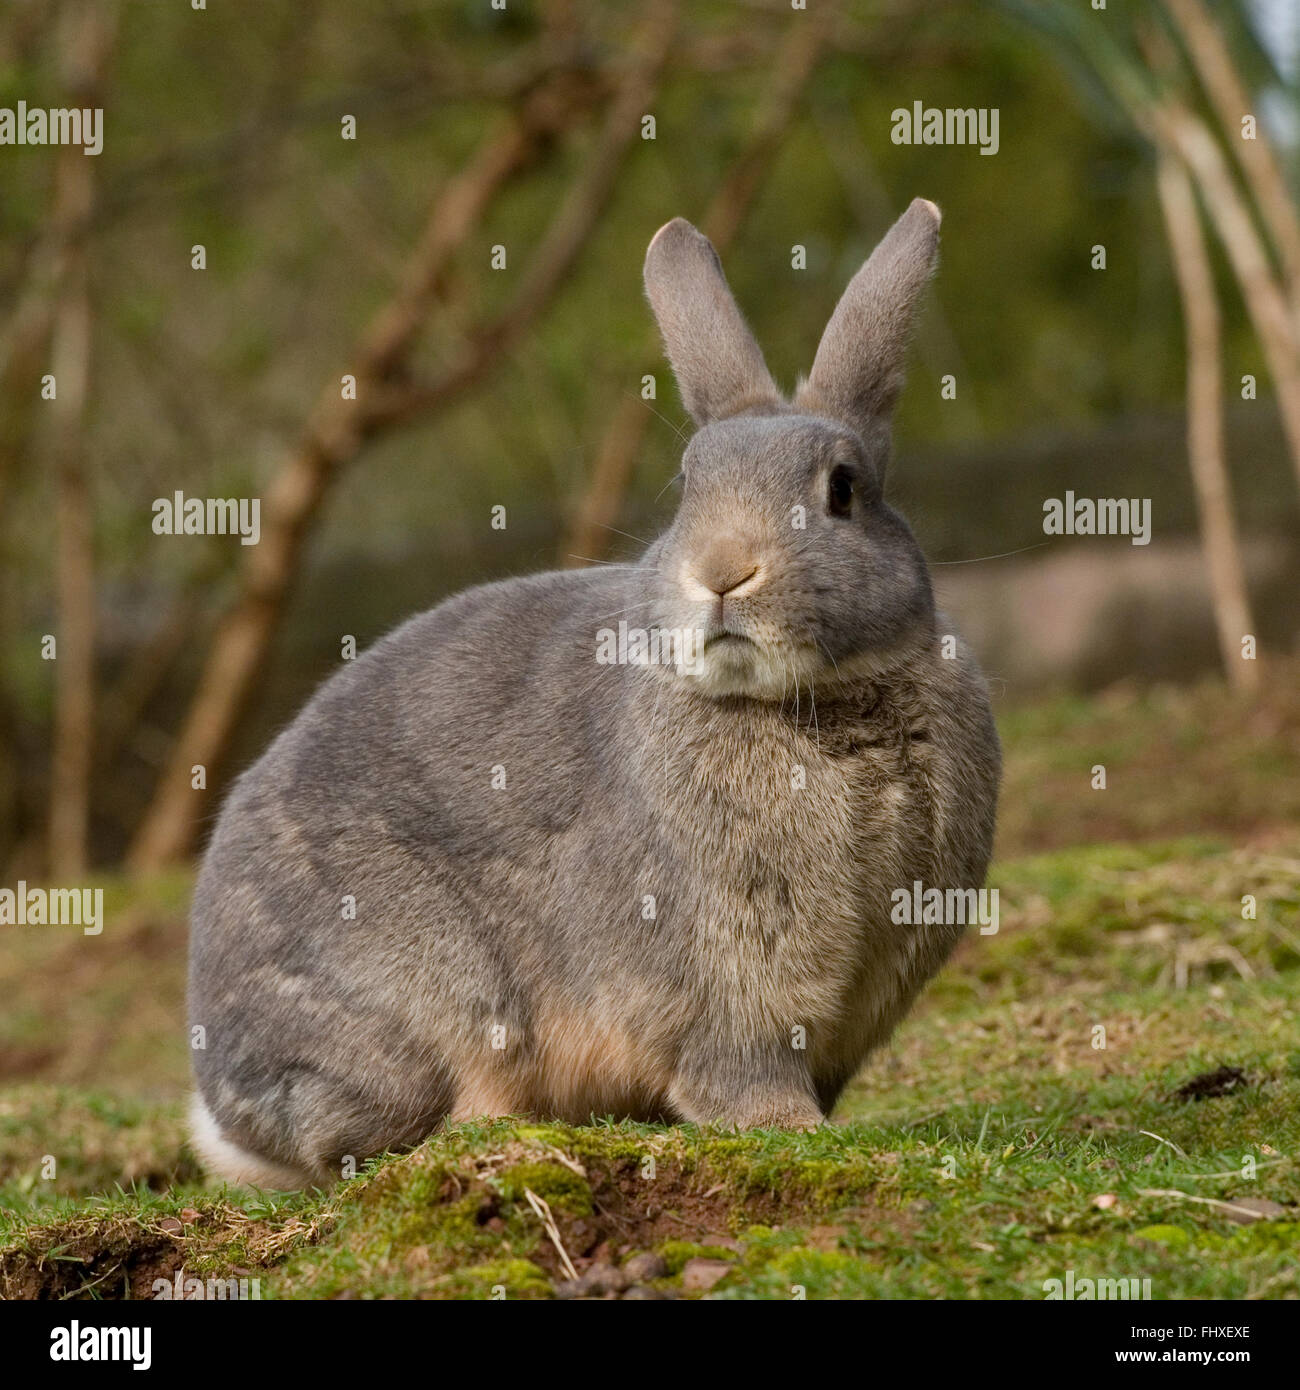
point(784, 562)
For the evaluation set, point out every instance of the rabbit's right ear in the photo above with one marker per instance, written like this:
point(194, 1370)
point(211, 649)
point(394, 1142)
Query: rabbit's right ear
point(858, 370)
point(718, 365)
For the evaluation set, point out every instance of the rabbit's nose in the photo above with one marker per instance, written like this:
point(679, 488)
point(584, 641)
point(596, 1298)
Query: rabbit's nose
point(729, 583)
point(724, 570)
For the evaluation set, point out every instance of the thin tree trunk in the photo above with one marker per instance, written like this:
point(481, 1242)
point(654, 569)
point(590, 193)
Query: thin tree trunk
point(23, 355)
point(1205, 448)
point(88, 39)
point(338, 429)
point(1178, 129)
point(1258, 162)
point(74, 673)
point(588, 536)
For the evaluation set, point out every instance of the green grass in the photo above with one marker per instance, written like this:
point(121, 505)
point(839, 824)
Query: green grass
point(1026, 1121)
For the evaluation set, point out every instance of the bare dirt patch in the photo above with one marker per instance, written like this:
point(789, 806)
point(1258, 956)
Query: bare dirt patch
point(122, 1257)
point(1210, 1084)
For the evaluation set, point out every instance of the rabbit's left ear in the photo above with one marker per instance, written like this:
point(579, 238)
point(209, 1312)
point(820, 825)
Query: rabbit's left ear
point(719, 367)
point(858, 371)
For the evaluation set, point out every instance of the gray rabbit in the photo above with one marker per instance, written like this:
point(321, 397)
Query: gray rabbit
point(508, 862)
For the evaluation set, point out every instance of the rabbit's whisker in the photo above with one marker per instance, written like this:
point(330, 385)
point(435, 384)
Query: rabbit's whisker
point(979, 559)
point(617, 532)
point(676, 429)
point(827, 653)
point(618, 612)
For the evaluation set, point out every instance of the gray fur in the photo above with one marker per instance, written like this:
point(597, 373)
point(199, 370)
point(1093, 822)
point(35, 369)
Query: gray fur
point(768, 800)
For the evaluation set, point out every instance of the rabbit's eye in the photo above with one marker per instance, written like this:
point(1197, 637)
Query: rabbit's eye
point(839, 492)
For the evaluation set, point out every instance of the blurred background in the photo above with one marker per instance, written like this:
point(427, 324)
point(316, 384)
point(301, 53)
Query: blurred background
point(289, 196)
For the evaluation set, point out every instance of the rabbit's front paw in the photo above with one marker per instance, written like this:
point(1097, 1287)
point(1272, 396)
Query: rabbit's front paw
point(778, 1114)
point(766, 1112)
point(730, 1090)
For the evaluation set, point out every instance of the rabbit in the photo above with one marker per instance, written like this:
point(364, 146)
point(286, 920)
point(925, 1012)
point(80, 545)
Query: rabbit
point(486, 872)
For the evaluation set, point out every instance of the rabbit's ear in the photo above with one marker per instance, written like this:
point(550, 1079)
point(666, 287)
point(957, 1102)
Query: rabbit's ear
point(718, 365)
point(858, 371)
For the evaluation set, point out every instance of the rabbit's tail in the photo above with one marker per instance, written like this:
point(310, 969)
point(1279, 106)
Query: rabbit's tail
point(226, 1160)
